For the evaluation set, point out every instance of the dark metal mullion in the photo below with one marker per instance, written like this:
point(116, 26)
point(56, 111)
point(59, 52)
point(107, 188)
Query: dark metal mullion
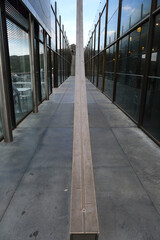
point(50, 65)
point(117, 50)
point(97, 77)
point(147, 64)
point(94, 52)
point(5, 78)
point(8, 68)
point(104, 51)
point(46, 66)
point(56, 57)
point(60, 49)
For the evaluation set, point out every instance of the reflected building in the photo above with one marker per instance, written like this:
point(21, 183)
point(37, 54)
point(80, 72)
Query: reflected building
point(123, 59)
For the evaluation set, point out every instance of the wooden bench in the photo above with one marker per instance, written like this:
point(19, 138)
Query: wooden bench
point(83, 209)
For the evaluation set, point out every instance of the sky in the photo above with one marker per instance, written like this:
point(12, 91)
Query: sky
point(67, 10)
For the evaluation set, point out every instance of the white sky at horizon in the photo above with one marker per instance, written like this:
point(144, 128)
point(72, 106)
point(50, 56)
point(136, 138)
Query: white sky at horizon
point(67, 10)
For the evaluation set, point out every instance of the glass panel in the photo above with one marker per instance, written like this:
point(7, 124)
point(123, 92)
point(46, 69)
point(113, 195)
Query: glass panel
point(58, 38)
point(152, 109)
point(95, 71)
point(102, 31)
point(100, 71)
point(52, 65)
point(112, 21)
point(96, 45)
point(132, 12)
point(41, 37)
point(18, 41)
point(41, 59)
point(109, 70)
point(158, 3)
point(53, 45)
point(131, 65)
point(59, 70)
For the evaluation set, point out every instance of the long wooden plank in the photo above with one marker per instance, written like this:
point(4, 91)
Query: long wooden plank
point(83, 214)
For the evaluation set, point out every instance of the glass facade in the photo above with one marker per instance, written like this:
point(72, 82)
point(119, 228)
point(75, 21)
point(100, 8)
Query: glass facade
point(102, 30)
point(112, 21)
point(109, 70)
point(152, 108)
point(131, 60)
point(42, 73)
point(131, 63)
point(132, 12)
point(100, 72)
point(18, 41)
point(25, 45)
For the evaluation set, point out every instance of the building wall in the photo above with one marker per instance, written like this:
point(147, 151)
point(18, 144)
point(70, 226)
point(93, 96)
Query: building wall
point(123, 60)
point(34, 58)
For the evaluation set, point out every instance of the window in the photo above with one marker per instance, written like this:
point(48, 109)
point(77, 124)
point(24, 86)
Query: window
point(132, 12)
point(131, 64)
point(102, 30)
point(100, 77)
point(112, 21)
point(41, 60)
point(152, 109)
point(96, 44)
point(109, 70)
point(18, 41)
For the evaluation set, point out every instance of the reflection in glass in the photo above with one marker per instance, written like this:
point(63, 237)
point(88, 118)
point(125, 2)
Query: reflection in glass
point(18, 41)
point(158, 3)
point(102, 30)
point(131, 65)
point(96, 44)
point(41, 60)
point(112, 21)
point(109, 70)
point(100, 71)
point(95, 71)
point(132, 12)
point(53, 34)
point(152, 109)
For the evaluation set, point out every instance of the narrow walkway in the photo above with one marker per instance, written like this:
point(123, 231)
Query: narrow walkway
point(35, 173)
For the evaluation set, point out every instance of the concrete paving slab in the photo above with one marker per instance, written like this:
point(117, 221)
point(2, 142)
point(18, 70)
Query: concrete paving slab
point(144, 156)
point(126, 170)
point(96, 117)
point(35, 175)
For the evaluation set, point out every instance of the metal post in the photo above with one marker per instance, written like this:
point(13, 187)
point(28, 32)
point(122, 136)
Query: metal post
point(104, 52)
point(94, 52)
point(147, 64)
point(46, 66)
point(63, 51)
point(56, 57)
point(32, 64)
point(4, 86)
point(117, 50)
point(98, 49)
point(60, 49)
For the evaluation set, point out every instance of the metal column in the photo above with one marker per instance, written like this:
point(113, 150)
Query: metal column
point(4, 86)
point(32, 64)
point(46, 66)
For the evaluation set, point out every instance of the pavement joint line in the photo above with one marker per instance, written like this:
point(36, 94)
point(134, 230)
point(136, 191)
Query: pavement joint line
point(134, 171)
point(29, 162)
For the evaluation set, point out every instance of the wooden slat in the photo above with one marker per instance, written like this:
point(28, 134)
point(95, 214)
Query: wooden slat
point(83, 214)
